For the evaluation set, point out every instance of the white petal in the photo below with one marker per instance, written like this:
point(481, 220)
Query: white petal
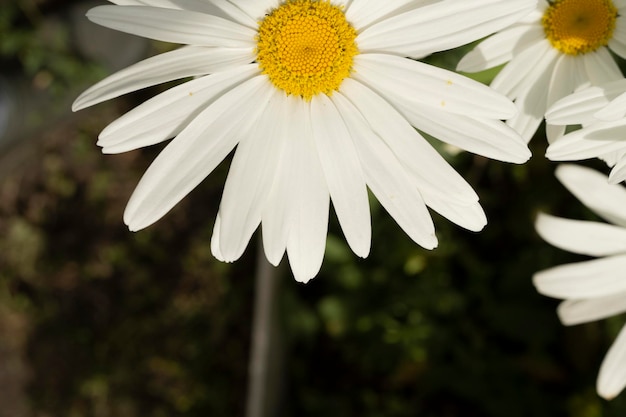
point(601, 67)
point(362, 13)
point(468, 215)
point(618, 173)
point(532, 102)
point(220, 8)
point(417, 156)
point(487, 137)
point(428, 85)
point(588, 279)
point(342, 169)
point(593, 141)
point(579, 107)
point(525, 69)
point(594, 191)
point(276, 218)
point(256, 9)
point(250, 178)
point(176, 26)
point(387, 179)
point(167, 114)
point(617, 43)
point(180, 63)
point(616, 109)
point(311, 200)
point(612, 376)
point(573, 312)
point(195, 152)
point(441, 26)
point(500, 48)
point(565, 78)
point(215, 240)
point(582, 237)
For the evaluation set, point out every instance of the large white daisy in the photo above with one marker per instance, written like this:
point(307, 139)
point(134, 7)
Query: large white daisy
point(320, 103)
point(561, 46)
point(601, 110)
point(593, 289)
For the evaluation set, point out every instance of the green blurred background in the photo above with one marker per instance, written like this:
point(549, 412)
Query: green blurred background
point(98, 321)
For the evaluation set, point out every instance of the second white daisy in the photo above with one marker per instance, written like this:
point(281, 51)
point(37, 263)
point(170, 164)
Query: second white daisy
point(561, 46)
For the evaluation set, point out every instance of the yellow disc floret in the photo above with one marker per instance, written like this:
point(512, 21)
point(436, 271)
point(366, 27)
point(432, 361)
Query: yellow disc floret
point(306, 47)
point(577, 27)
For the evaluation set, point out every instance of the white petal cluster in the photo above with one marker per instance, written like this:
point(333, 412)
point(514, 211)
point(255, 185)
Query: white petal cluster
point(293, 157)
point(601, 111)
point(592, 289)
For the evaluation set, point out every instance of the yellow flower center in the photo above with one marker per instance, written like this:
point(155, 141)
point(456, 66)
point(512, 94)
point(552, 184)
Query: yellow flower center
point(579, 26)
point(306, 47)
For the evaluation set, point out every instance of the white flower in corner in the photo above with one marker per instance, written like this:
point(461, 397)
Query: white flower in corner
point(561, 46)
point(320, 102)
point(592, 289)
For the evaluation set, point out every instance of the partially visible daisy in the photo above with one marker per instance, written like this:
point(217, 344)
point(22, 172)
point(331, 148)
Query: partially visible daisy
point(601, 110)
point(320, 102)
point(561, 46)
point(593, 289)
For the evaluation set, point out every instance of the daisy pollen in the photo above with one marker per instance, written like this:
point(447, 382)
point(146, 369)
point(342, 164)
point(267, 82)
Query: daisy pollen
point(579, 26)
point(306, 48)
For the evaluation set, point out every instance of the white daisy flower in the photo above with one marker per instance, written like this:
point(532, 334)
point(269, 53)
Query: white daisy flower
point(601, 110)
point(561, 46)
point(320, 103)
point(593, 289)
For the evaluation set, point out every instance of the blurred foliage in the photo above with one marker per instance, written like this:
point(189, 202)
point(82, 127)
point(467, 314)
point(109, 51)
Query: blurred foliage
point(113, 323)
point(36, 41)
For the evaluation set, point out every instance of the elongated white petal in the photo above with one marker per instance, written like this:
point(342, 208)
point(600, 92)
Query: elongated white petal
point(215, 240)
point(582, 237)
point(194, 153)
point(215, 7)
point(311, 201)
point(532, 103)
point(167, 114)
point(589, 279)
point(176, 26)
point(601, 67)
point(579, 107)
point(573, 312)
point(250, 178)
point(500, 48)
point(617, 43)
point(180, 63)
point(441, 26)
point(387, 178)
point(417, 156)
point(594, 191)
point(362, 13)
point(566, 77)
point(469, 215)
point(343, 173)
point(594, 141)
point(487, 137)
point(618, 173)
point(614, 110)
point(428, 85)
point(523, 71)
point(256, 9)
point(612, 376)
